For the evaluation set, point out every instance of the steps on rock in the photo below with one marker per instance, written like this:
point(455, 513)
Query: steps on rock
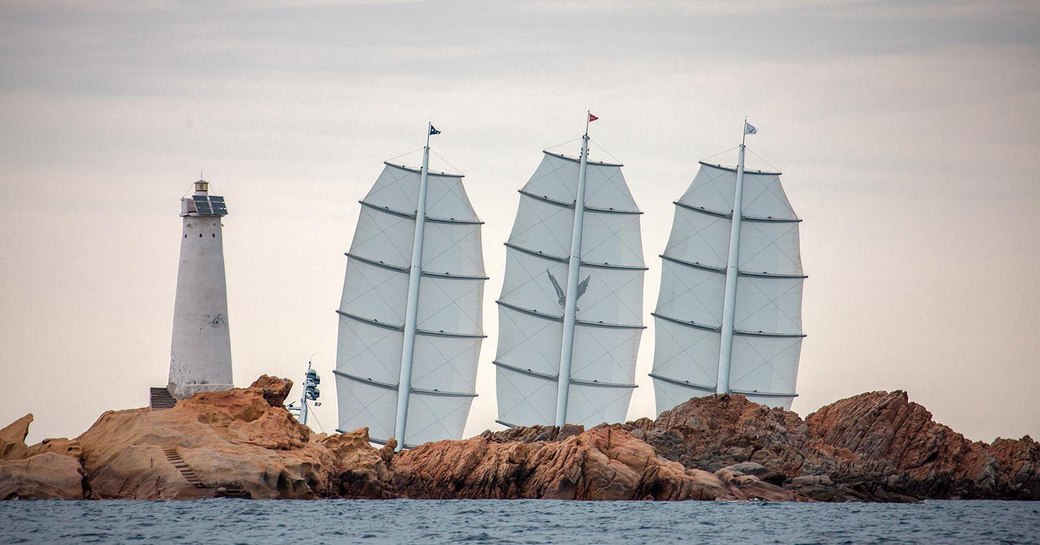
point(186, 471)
point(160, 398)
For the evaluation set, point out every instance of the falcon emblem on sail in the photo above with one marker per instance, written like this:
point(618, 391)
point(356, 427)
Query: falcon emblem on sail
point(582, 288)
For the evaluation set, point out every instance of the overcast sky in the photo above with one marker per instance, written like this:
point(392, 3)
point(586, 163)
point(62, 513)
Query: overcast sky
point(907, 133)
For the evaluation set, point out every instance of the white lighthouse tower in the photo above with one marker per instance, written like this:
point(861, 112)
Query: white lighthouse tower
point(200, 357)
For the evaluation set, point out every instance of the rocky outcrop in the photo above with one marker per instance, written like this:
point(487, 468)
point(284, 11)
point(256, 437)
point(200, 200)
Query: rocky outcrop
point(718, 431)
point(600, 464)
point(44, 476)
point(877, 446)
point(1018, 467)
point(241, 439)
point(360, 470)
point(12, 439)
point(48, 470)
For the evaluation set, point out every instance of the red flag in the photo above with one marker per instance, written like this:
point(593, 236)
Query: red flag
point(592, 117)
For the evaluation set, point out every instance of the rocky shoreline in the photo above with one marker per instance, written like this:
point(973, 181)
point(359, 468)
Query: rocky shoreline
point(876, 446)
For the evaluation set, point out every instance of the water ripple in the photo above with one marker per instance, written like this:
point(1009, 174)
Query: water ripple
point(226, 522)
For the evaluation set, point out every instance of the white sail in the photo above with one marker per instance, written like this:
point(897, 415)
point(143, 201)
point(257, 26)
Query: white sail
point(531, 307)
point(767, 325)
point(449, 322)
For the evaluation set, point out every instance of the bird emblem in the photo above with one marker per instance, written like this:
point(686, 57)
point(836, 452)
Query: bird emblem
point(583, 286)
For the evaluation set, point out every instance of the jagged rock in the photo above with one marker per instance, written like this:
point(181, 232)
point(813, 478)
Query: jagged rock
point(718, 431)
point(1019, 467)
point(752, 487)
point(47, 470)
point(361, 471)
point(60, 445)
point(45, 476)
point(532, 434)
point(599, 464)
point(877, 446)
point(12, 439)
point(758, 470)
point(888, 437)
point(275, 389)
point(234, 439)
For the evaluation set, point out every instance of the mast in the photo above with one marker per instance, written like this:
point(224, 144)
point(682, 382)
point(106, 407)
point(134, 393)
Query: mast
point(729, 301)
point(573, 269)
point(412, 311)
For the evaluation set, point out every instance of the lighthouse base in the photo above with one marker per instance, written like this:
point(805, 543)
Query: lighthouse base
point(185, 391)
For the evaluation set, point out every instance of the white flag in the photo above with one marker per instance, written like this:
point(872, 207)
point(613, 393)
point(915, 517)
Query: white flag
point(749, 128)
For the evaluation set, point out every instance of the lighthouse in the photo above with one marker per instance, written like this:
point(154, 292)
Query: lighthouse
point(200, 355)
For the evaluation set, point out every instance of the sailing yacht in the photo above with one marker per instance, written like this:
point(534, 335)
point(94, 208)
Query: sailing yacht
point(729, 312)
point(570, 311)
point(410, 318)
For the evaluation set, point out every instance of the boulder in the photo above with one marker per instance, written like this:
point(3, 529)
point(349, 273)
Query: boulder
point(45, 476)
point(360, 470)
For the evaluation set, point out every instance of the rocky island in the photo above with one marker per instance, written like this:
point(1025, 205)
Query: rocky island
point(877, 446)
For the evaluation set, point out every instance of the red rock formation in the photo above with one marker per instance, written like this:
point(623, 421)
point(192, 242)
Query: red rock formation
point(360, 471)
point(49, 470)
point(924, 458)
point(600, 464)
point(44, 476)
point(718, 431)
point(234, 439)
point(12, 439)
point(1018, 461)
point(877, 446)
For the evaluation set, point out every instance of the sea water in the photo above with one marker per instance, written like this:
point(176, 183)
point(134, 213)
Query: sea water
point(427, 522)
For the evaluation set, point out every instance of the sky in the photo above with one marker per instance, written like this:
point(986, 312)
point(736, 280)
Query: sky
point(907, 134)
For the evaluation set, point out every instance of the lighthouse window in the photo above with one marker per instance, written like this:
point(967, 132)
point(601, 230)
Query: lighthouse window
point(214, 235)
point(200, 235)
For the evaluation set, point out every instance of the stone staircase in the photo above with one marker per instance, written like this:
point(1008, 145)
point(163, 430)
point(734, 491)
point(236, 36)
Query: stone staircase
point(186, 471)
point(160, 398)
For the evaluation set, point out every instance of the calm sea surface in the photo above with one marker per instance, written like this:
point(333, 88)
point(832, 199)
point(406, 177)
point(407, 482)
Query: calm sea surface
point(430, 522)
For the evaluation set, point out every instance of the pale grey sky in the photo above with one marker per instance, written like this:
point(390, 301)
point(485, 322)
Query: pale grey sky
point(907, 133)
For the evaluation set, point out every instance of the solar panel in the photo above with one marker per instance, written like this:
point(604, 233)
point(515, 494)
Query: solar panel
point(219, 207)
point(209, 206)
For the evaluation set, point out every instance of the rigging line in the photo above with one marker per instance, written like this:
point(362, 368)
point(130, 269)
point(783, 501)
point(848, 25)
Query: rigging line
point(563, 144)
point(457, 169)
point(721, 153)
point(777, 169)
point(315, 417)
point(604, 150)
point(403, 154)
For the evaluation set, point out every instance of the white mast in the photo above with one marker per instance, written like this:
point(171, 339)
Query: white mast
point(412, 310)
point(573, 270)
point(729, 302)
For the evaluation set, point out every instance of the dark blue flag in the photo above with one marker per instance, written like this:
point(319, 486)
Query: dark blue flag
point(433, 130)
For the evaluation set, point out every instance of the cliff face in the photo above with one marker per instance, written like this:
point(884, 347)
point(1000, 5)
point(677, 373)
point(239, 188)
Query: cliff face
point(877, 446)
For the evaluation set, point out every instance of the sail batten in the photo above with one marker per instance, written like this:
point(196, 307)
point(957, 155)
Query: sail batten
point(447, 329)
point(607, 323)
point(766, 314)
